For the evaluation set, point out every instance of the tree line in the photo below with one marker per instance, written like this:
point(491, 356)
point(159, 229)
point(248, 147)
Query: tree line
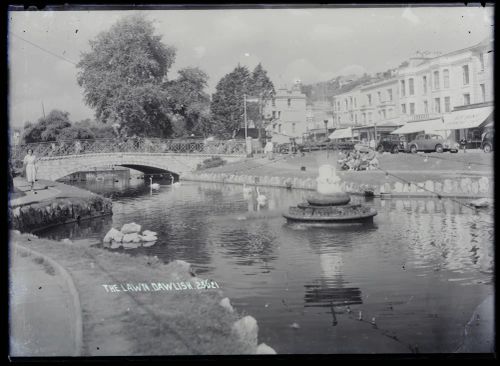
point(125, 81)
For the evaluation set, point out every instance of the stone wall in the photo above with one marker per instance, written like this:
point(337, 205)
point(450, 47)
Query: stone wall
point(461, 187)
point(40, 215)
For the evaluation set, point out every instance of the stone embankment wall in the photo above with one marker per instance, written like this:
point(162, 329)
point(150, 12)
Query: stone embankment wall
point(39, 215)
point(460, 187)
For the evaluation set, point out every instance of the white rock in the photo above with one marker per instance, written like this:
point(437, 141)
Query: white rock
point(115, 245)
point(294, 326)
point(148, 244)
point(131, 228)
point(247, 330)
point(264, 349)
point(67, 241)
point(129, 238)
point(149, 238)
point(130, 245)
point(149, 233)
point(114, 235)
point(226, 304)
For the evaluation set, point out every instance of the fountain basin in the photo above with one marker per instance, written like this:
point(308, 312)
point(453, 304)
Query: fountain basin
point(333, 199)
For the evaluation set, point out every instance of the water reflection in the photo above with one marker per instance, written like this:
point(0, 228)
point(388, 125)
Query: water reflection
point(413, 257)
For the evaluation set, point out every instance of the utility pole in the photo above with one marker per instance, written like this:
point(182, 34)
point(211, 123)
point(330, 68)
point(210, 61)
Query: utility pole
point(245, 114)
point(43, 110)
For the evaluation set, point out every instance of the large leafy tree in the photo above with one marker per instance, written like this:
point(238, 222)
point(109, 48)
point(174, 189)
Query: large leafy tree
point(227, 102)
point(123, 74)
point(189, 102)
point(261, 87)
point(47, 128)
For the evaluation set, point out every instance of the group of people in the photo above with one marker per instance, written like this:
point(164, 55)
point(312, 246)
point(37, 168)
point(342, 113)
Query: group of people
point(358, 160)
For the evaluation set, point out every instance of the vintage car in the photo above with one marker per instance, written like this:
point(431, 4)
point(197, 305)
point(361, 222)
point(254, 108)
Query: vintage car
point(432, 142)
point(391, 143)
point(487, 144)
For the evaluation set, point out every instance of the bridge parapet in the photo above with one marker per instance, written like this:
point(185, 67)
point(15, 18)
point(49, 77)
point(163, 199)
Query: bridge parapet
point(130, 145)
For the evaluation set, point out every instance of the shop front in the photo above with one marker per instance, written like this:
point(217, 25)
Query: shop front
point(431, 126)
point(469, 123)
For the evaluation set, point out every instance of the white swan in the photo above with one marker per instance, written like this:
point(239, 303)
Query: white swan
point(261, 199)
point(153, 185)
point(174, 184)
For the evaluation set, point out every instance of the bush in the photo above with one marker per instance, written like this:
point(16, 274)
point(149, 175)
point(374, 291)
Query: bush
point(212, 162)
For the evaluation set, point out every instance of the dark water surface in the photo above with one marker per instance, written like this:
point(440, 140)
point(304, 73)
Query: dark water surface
point(419, 270)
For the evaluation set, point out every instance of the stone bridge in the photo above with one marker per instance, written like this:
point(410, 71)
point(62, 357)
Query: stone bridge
point(150, 156)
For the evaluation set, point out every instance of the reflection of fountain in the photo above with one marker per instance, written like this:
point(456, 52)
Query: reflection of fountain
point(329, 204)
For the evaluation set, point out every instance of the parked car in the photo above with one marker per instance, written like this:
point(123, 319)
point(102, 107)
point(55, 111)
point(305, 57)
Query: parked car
point(487, 141)
point(391, 143)
point(316, 145)
point(431, 142)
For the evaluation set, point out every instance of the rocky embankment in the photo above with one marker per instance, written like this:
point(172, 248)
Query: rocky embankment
point(34, 216)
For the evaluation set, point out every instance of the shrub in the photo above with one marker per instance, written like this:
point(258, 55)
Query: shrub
point(212, 162)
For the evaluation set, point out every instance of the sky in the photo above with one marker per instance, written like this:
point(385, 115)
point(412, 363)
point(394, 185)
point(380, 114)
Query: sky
point(304, 44)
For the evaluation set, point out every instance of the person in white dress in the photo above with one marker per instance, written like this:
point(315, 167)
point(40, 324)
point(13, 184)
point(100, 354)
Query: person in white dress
point(29, 162)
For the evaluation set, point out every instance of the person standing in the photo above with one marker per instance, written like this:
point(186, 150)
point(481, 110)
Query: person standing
point(29, 162)
point(268, 150)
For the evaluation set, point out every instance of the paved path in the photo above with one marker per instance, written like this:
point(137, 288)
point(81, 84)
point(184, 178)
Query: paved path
point(42, 322)
point(480, 330)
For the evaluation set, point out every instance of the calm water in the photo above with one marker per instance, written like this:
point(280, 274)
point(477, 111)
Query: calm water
point(420, 269)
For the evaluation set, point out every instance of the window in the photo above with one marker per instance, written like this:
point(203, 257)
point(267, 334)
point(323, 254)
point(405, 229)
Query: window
point(446, 78)
point(379, 94)
point(465, 70)
point(402, 88)
point(279, 128)
point(390, 113)
point(483, 93)
point(293, 127)
point(274, 102)
point(274, 114)
point(411, 86)
point(403, 108)
point(346, 105)
point(389, 94)
point(412, 108)
point(424, 84)
point(351, 117)
point(355, 103)
point(274, 127)
point(437, 105)
point(436, 79)
point(383, 113)
point(350, 101)
point(279, 114)
point(369, 116)
point(356, 118)
point(369, 96)
point(466, 99)
point(481, 61)
point(426, 107)
point(289, 102)
point(447, 104)
point(364, 117)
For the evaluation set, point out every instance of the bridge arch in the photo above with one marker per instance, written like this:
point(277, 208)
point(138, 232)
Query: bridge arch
point(54, 168)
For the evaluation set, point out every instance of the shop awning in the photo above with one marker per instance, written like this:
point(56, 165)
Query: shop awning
point(467, 118)
point(342, 133)
point(427, 126)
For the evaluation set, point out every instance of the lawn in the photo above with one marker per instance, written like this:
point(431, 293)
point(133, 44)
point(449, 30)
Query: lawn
point(141, 323)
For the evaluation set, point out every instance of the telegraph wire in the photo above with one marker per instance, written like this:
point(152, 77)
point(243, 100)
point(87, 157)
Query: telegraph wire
point(45, 50)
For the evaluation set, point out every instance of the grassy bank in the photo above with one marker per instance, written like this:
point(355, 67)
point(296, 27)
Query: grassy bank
point(126, 323)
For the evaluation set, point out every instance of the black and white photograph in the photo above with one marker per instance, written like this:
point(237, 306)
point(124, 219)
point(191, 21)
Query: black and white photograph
point(251, 180)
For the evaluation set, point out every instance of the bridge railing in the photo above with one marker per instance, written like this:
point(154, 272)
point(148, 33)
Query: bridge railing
point(129, 145)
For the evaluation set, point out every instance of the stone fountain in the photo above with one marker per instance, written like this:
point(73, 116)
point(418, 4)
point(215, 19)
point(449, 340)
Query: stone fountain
point(329, 204)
